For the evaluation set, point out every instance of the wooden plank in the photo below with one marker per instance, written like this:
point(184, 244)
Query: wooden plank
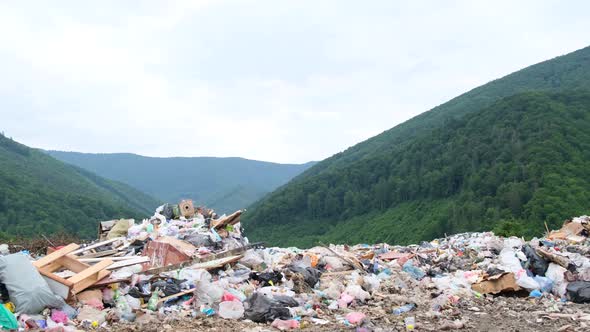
point(55, 255)
point(164, 299)
point(100, 254)
point(120, 264)
point(90, 271)
point(229, 220)
point(59, 279)
point(232, 252)
point(82, 285)
point(68, 262)
point(100, 259)
point(96, 245)
point(71, 263)
point(108, 281)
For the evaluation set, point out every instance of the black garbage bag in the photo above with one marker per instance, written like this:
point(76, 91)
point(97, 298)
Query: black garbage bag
point(136, 293)
point(261, 309)
point(579, 291)
point(285, 301)
point(168, 212)
point(199, 240)
point(138, 245)
point(310, 275)
point(537, 264)
point(169, 287)
point(4, 296)
point(267, 278)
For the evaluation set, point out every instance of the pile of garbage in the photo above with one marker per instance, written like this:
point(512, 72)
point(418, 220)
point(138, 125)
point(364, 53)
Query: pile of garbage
point(189, 268)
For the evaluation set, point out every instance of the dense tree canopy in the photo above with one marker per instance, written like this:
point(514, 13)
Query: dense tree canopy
point(41, 195)
point(509, 155)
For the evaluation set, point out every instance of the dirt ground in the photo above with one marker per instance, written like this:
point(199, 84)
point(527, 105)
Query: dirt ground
point(485, 314)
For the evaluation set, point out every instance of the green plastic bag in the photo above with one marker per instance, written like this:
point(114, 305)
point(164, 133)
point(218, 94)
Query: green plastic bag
point(7, 319)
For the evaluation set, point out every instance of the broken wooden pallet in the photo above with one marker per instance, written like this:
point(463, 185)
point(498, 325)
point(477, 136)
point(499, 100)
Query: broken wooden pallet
point(63, 259)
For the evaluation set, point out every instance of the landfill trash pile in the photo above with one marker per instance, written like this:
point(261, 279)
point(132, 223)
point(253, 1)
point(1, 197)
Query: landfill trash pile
point(187, 268)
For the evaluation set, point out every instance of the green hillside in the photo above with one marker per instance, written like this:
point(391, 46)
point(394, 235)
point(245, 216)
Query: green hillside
point(41, 195)
point(224, 184)
point(496, 156)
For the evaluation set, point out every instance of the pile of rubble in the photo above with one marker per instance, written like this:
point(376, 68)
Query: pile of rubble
point(187, 268)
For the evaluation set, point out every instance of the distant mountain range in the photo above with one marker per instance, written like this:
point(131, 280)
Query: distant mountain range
point(509, 155)
point(42, 195)
point(224, 184)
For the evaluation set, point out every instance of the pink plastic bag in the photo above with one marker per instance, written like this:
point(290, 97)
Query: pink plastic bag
point(59, 316)
point(227, 296)
point(345, 300)
point(355, 317)
point(282, 325)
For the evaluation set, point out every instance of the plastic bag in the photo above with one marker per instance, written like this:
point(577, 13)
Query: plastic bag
point(357, 292)
point(415, 272)
point(28, 290)
point(267, 278)
point(355, 317)
point(545, 284)
point(310, 275)
point(509, 260)
point(120, 229)
point(208, 293)
point(252, 259)
point(556, 274)
point(371, 283)
point(231, 309)
point(7, 319)
point(579, 291)
point(527, 282)
point(263, 309)
point(537, 264)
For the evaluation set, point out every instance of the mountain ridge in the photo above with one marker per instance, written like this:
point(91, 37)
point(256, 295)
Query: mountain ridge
point(42, 195)
point(321, 195)
point(207, 180)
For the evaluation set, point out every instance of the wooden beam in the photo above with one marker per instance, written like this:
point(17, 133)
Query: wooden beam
point(55, 255)
point(100, 254)
point(137, 260)
point(68, 262)
point(57, 278)
point(90, 271)
point(100, 259)
point(96, 245)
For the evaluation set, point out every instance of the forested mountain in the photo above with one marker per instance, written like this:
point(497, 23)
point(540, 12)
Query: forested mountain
point(42, 195)
point(224, 184)
point(508, 155)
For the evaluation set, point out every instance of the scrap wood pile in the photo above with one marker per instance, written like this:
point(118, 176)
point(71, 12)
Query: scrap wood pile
point(187, 267)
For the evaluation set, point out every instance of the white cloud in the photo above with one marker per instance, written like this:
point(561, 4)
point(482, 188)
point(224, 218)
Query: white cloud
point(288, 82)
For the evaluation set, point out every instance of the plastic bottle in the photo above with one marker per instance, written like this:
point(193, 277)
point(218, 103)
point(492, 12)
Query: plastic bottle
point(153, 302)
point(410, 323)
point(404, 309)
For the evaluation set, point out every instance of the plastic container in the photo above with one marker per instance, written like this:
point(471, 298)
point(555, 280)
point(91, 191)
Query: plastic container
point(410, 323)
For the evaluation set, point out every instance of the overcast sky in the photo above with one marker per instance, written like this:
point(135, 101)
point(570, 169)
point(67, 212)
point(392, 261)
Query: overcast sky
point(283, 81)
